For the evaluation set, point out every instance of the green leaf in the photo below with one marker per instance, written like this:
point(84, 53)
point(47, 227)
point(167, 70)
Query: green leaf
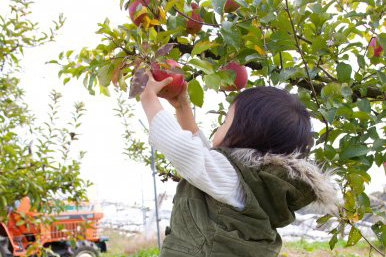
point(379, 230)
point(379, 144)
point(69, 53)
point(331, 90)
point(382, 77)
point(353, 151)
point(354, 236)
point(196, 93)
point(361, 61)
point(323, 219)
point(104, 75)
point(363, 200)
point(333, 241)
point(203, 65)
point(218, 6)
point(213, 81)
point(53, 61)
point(66, 80)
point(91, 83)
point(269, 17)
point(10, 150)
point(202, 46)
point(363, 116)
point(356, 183)
point(364, 105)
point(231, 34)
point(169, 5)
point(343, 72)
point(183, 40)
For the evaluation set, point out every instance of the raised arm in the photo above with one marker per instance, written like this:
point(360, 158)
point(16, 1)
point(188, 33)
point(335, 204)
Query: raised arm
point(184, 112)
point(152, 105)
point(205, 169)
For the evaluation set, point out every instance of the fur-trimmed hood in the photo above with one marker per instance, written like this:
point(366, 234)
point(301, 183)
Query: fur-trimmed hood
point(298, 169)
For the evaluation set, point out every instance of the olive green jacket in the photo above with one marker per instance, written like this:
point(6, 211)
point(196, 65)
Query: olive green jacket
point(275, 187)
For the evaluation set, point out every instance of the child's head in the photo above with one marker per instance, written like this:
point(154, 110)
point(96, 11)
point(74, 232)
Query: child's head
point(267, 119)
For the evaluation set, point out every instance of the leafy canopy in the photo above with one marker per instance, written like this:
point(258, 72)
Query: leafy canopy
point(35, 160)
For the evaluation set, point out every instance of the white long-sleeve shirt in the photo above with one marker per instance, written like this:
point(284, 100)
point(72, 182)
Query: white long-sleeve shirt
point(208, 170)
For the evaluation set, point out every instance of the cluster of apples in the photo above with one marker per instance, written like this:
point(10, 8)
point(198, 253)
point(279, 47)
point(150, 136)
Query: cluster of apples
point(175, 87)
point(193, 25)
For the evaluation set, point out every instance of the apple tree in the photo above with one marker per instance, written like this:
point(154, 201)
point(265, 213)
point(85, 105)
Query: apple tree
point(330, 53)
point(35, 160)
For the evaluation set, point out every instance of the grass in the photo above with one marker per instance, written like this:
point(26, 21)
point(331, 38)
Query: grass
point(137, 246)
point(303, 248)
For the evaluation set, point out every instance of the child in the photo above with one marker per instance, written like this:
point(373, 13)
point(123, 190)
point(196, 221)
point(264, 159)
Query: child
point(233, 197)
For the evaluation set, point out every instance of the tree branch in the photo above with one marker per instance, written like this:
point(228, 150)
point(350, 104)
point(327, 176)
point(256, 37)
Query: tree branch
point(371, 245)
point(121, 47)
point(306, 66)
point(317, 87)
point(194, 75)
point(197, 21)
point(214, 24)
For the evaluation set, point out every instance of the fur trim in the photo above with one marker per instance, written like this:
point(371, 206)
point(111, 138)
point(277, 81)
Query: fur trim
point(298, 168)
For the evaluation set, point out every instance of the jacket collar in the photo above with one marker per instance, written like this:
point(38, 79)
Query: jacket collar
point(298, 168)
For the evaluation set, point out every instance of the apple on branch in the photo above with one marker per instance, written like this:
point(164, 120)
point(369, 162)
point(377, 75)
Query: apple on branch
point(139, 14)
point(376, 46)
point(241, 78)
point(230, 6)
point(137, 11)
point(193, 27)
point(170, 69)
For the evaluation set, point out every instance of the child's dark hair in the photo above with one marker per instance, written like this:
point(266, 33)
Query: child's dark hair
point(270, 120)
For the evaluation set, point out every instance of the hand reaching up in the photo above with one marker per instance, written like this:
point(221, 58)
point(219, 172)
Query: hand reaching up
point(182, 99)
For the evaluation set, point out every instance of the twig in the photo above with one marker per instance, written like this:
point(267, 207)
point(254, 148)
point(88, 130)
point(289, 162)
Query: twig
point(304, 39)
point(121, 47)
point(372, 74)
point(248, 19)
point(197, 21)
point(194, 75)
point(328, 74)
point(281, 61)
point(306, 66)
point(211, 24)
point(371, 245)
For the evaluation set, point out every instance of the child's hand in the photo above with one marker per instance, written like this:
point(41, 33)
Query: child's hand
point(153, 87)
point(182, 99)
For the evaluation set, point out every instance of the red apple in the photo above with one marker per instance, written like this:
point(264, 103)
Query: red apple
point(376, 46)
point(241, 76)
point(133, 10)
point(231, 6)
point(159, 74)
point(193, 27)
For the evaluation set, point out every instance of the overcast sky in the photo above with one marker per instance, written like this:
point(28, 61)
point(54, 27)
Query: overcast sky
point(114, 177)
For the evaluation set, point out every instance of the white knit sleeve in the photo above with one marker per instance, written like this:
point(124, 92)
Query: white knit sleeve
point(208, 170)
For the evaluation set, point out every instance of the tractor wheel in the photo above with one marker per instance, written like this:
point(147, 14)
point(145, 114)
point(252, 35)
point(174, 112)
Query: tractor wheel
point(86, 249)
point(4, 252)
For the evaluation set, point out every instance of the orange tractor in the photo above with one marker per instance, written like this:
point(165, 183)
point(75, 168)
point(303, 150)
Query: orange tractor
point(73, 232)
